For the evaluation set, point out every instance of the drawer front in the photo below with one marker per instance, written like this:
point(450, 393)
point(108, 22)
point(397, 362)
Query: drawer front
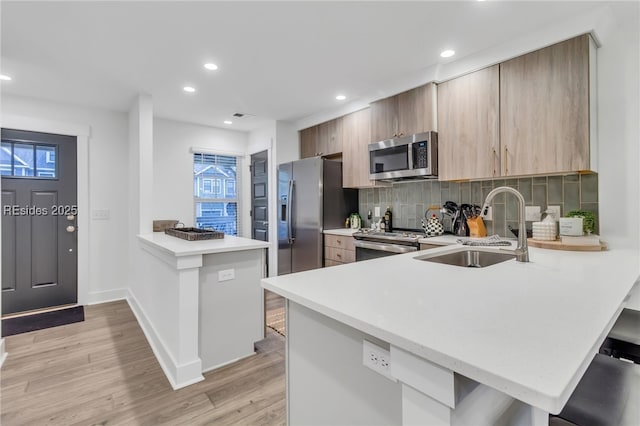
point(340, 255)
point(329, 262)
point(339, 241)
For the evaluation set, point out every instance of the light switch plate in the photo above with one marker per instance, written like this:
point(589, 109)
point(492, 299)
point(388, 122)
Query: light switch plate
point(376, 211)
point(532, 213)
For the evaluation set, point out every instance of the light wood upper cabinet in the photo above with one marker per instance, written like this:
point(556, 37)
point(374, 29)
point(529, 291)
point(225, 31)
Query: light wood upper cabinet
point(384, 119)
point(356, 131)
point(468, 126)
point(330, 137)
point(308, 142)
point(526, 116)
point(416, 110)
point(321, 140)
point(403, 114)
point(545, 110)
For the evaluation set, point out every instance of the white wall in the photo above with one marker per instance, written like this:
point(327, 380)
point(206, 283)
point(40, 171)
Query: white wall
point(287, 142)
point(619, 125)
point(108, 187)
point(173, 165)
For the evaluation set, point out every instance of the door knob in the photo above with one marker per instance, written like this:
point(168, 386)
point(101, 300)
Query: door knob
point(71, 217)
point(71, 228)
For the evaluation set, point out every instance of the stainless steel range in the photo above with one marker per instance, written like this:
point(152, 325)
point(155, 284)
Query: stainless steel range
point(373, 244)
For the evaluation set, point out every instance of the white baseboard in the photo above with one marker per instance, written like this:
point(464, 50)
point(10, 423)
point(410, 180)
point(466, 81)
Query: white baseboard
point(179, 376)
point(3, 354)
point(97, 297)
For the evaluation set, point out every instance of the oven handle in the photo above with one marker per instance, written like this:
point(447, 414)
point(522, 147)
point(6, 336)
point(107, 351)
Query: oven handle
point(391, 248)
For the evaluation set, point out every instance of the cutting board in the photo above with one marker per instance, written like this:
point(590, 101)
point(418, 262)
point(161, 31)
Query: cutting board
point(558, 245)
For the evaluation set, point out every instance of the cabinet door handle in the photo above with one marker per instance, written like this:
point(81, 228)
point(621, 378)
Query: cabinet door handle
point(494, 160)
point(506, 160)
point(339, 241)
point(338, 255)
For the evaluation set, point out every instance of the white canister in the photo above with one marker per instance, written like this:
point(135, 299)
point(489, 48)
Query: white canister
point(545, 231)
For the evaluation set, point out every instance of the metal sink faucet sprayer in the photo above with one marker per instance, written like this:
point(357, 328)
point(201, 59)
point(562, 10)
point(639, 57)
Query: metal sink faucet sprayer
point(522, 251)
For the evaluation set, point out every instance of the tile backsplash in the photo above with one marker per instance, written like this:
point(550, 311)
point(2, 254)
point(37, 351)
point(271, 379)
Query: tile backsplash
point(409, 200)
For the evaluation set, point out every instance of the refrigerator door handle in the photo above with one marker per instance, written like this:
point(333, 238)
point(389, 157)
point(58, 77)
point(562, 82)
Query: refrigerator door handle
point(289, 213)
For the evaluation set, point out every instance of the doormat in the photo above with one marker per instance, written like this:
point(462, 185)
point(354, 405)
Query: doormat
point(275, 320)
point(34, 322)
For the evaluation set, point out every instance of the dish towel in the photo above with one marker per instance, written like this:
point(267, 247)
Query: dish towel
point(494, 240)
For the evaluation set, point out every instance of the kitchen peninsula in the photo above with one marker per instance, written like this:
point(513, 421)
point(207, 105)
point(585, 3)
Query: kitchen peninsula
point(199, 302)
point(504, 344)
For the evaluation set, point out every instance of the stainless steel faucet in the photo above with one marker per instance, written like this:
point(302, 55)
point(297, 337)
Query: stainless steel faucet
point(522, 251)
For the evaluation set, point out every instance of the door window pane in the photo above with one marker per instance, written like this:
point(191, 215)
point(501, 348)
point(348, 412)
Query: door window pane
point(5, 159)
point(45, 161)
point(28, 160)
point(24, 160)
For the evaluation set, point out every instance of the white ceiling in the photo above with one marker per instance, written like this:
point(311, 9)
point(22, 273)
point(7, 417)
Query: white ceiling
point(278, 60)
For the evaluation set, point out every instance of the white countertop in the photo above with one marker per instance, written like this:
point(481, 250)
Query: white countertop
point(347, 232)
point(179, 247)
point(527, 329)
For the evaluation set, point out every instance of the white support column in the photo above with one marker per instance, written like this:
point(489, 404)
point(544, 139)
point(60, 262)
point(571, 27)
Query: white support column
point(189, 364)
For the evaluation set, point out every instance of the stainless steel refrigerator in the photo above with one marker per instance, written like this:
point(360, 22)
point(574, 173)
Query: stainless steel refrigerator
point(310, 199)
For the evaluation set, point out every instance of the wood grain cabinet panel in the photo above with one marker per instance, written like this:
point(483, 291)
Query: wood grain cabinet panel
point(416, 109)
point(338, 249)
point(545, 110)
point(384, 119)
point(404, 114)
point(468, 126)
point(321, 140)
point(356, 131)
point(308, 142)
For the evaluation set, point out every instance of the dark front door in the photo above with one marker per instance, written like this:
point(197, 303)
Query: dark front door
point(39, 209)
point(259, 197)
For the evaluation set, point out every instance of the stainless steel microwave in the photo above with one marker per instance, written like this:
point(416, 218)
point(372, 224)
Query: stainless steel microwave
point(414, 156)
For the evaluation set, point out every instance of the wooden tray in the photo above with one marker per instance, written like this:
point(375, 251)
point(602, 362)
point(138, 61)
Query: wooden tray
point(194, 234)
point(557, 245)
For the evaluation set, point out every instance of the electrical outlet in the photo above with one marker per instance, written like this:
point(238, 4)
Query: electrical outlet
point(555, 211)
point(532, 213)
point(376, 358)
point(226, 275)
point(489, 215)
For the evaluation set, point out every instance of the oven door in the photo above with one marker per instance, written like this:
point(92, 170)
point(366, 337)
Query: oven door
point(366, 250)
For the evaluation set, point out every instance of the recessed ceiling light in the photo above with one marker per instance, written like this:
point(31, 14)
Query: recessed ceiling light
point(448, 53)
point(228, 122)
point(4, 77)
point(211, 67)
point(189, 89)
point(341, 97)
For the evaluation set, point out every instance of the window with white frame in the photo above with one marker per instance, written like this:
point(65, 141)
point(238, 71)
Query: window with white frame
point(215, 206)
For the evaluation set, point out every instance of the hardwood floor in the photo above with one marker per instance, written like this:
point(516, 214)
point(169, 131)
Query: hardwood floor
point(275, 312)
point(102, 372)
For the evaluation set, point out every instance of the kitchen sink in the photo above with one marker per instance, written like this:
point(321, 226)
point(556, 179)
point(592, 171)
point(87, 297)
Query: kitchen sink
point(468, 258)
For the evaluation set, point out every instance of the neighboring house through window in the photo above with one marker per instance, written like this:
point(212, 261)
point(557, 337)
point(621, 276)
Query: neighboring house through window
point(216, 207)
